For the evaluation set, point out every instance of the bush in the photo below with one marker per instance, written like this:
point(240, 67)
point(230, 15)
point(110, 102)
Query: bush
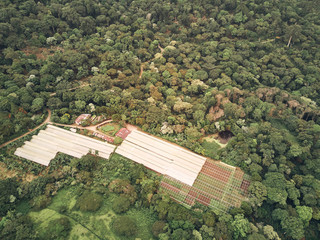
point(158, 227)
point(57, 229)
point(120, 204)
point(40, 202)
point(117, 140)
point(125, 226)
point(89, 201)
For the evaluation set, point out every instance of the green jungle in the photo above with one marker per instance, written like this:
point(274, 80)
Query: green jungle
point(184, 71)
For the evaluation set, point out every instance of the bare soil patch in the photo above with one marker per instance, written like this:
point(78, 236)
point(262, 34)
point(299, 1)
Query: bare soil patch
point(42, 53)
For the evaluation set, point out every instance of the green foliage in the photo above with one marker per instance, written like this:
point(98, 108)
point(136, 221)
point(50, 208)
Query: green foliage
point(57, 229)
point(124, 226)
point(121, 204)
point(240, 226)
point(40, 202)
point(17, 227)
point(210, 148)
point(262, 69)
point(107, 128)
point(158, 227)
point(117, 140)
point(89, 201)
point(87, 162)
point(293, 226)
point(8, 195)
point(305, 214)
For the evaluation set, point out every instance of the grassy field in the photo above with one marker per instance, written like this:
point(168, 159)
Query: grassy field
point(90, 225)
point(211, 147)
point(110, 128)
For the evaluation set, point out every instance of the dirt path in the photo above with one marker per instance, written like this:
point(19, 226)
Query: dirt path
point(143, 64)
point(91, 128)
point(161, 49)
point(141, 70)
point(30, 131)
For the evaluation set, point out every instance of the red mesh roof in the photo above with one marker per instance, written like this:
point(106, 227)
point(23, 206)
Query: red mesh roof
point(123, 133)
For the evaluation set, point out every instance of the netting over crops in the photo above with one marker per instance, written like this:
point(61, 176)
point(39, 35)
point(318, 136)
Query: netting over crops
point(218, 185)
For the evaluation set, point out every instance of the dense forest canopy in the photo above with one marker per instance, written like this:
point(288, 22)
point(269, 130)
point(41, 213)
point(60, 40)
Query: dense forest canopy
point(251, 67)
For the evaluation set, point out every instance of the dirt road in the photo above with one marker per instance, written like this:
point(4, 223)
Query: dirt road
point(45, 121)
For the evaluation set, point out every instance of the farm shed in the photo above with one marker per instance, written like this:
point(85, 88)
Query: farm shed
point(82, 118)
point(161, 156)
point(42, 148)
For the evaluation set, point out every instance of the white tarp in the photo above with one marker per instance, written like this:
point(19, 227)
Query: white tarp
point(42, 148)
point(162, 156)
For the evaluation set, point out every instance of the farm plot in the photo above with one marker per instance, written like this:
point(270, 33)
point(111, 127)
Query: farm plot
point(43, 147)
point(218, 186)
point(110, 128)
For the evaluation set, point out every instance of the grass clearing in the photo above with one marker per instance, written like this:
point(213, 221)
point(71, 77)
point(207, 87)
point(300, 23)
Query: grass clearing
point(110, 128)
point(144, 219)
point(89, 225)
point(211, 147)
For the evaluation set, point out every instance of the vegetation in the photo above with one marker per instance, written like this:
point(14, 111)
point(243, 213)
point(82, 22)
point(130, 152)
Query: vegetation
point(182, 70)
point(125, 226)
point(89, 201)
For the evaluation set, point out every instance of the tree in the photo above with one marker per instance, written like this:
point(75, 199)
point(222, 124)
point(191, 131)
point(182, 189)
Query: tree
point(305, 214)
point(87, 25)
point(270, 233)
point(241, 226)
point(8, 195)
point(158, 227)
point(192, 134)
point(180, 234)
point(37, 104)
point(258, 192)
point(256, 236)
point(17, 227)
point(125, 226)
point(80, 105)
point(121, 204)
point(57, 229)
point(89, 201)
point(276, 186)
point(293, 227)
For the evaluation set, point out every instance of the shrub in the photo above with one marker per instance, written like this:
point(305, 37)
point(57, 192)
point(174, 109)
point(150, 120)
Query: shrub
point(89, 201)
point(125, 226)
point(117, 140)
point(121, 204)
point(57, 229)
point(40, 202)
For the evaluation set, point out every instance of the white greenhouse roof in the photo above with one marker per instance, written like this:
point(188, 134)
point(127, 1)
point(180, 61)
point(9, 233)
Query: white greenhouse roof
point(161, 156)
point(42, 148)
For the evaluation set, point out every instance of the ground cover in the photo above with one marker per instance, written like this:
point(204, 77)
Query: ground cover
point(110, 128)
point(89, 225)
point(211, 147)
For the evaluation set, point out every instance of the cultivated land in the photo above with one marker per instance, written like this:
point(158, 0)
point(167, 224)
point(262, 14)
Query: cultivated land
point(188, 177)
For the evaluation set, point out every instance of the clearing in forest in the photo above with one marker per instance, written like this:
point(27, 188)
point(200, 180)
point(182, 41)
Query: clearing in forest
point(188, 177)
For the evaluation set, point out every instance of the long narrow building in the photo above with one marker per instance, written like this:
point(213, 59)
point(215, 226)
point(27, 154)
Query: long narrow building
point(161, 156)
point(42, 148)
